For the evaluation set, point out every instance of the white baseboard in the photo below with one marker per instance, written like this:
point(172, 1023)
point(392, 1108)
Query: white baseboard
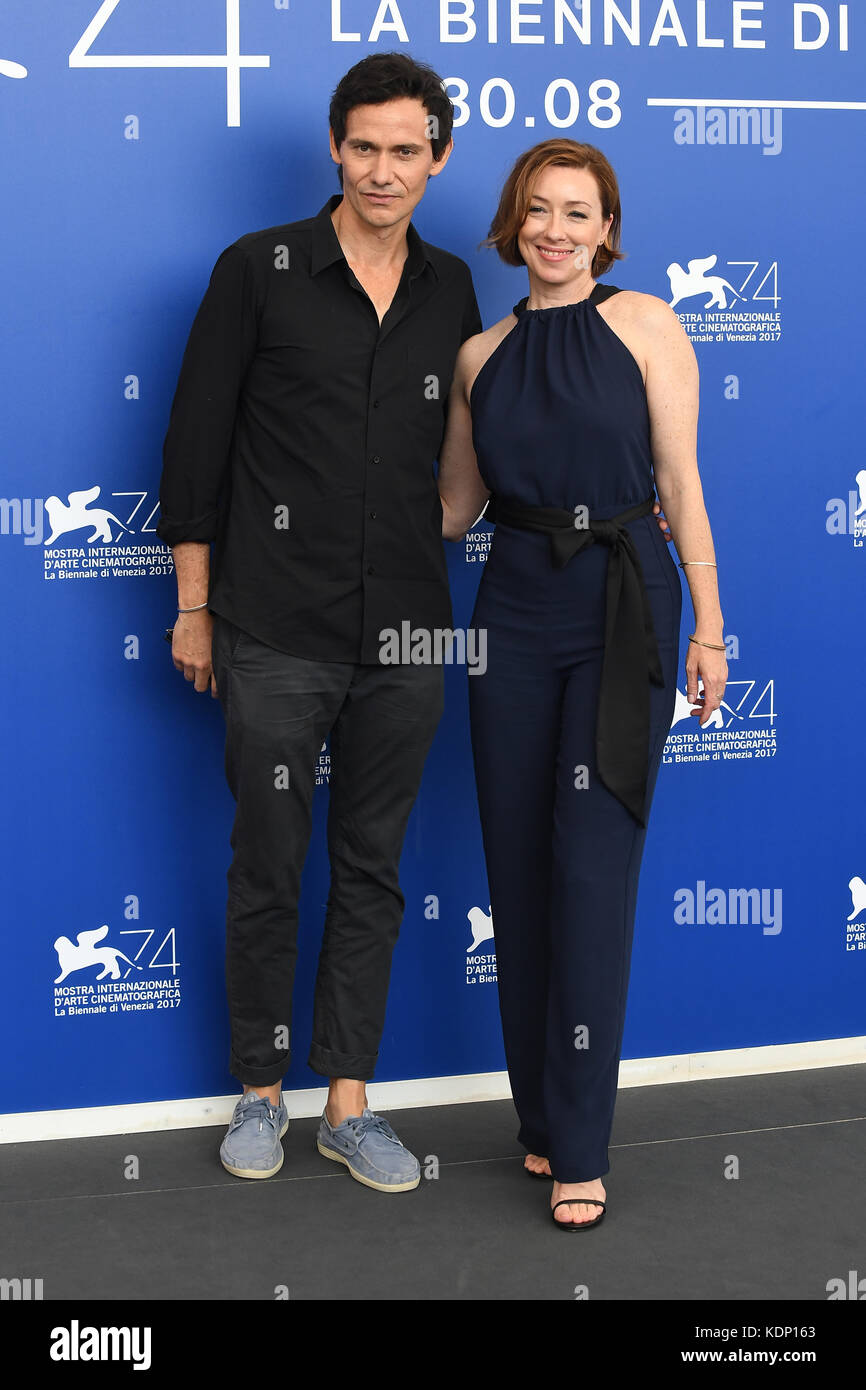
point(87, 1122)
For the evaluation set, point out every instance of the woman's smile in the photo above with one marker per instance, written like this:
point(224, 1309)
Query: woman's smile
point(552, 253)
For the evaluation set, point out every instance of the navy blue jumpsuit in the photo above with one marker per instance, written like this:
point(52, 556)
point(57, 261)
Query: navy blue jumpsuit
point(568, 722)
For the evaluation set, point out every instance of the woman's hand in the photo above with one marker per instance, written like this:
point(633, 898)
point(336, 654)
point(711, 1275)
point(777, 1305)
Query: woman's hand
point(705, 664)
point(662, 521)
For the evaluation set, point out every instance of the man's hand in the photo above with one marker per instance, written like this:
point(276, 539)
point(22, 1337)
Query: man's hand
point(663, 526)
point(192, 648)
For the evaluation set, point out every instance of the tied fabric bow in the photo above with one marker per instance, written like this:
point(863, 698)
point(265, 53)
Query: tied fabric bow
point(631, 656)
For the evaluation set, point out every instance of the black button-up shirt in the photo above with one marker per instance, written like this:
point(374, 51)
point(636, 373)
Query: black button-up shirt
point(303, 436)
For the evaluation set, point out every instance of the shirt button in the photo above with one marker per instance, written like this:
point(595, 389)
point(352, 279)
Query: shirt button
point(375, 405)
point(370, 569)
point(376, 459)
point(373, 515)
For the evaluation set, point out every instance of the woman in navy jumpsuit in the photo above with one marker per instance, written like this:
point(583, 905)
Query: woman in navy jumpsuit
point(581, 601)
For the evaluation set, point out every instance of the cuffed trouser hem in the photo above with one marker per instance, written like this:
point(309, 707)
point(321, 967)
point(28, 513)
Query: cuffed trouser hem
point(258, 1076)
point(353, 1066)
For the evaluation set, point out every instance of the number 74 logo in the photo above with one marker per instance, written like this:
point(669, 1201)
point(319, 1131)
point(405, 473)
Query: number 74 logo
point(232, 60)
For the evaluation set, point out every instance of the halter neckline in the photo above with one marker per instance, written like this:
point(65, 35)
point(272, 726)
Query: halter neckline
point(599, 292)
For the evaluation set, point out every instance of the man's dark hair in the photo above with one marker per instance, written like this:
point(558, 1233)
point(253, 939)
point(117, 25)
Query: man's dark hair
point(385, 77)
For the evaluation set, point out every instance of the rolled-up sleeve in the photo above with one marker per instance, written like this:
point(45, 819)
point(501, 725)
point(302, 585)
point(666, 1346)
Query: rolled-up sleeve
point(197, 447)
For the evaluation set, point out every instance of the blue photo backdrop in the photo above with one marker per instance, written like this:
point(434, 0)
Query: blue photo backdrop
point(138, 138)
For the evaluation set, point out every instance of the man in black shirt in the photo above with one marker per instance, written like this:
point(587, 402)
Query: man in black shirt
point(302, 440)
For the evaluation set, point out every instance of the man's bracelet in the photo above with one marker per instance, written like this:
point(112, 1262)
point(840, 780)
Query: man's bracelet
point(192, 610)
point(714, 645)
point(711, 563)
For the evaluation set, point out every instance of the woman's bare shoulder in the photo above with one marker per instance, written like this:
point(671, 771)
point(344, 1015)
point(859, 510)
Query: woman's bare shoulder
point(476, 350)
point(647, 310)
point(481, 345)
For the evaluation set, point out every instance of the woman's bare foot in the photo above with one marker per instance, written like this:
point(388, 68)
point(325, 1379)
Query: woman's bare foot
point(535, 1164)
point(577, 1212)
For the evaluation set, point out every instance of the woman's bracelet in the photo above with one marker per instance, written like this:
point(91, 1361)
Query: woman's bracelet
point(192, 610)
point(716, 647)
point(711, 563)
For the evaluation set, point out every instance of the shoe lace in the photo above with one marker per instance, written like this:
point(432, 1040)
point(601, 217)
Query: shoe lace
point(260, 1110)
point(376, 1123)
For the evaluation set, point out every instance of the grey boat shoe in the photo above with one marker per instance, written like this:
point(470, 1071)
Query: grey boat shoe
point(371, 1151)
point(251, 1147)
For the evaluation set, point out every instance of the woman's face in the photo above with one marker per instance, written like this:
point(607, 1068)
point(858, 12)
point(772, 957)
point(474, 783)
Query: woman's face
point(564, 225)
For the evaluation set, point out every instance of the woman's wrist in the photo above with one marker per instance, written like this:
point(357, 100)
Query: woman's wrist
point(709, 630)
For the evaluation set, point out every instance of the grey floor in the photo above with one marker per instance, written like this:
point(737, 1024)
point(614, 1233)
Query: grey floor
point(676, 1228)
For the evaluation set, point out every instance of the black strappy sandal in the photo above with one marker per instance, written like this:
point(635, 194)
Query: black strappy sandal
point(578, 1225)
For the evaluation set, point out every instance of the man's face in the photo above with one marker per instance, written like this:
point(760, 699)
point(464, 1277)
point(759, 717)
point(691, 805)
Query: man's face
point(387, 158)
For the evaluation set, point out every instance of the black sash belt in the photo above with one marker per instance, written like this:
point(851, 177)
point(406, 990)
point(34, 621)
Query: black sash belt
point(631, 656)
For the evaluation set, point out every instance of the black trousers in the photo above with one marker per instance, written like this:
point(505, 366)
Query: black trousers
point(278, 711)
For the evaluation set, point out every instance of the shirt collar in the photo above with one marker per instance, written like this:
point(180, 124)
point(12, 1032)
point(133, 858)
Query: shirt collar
point(326, 247)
